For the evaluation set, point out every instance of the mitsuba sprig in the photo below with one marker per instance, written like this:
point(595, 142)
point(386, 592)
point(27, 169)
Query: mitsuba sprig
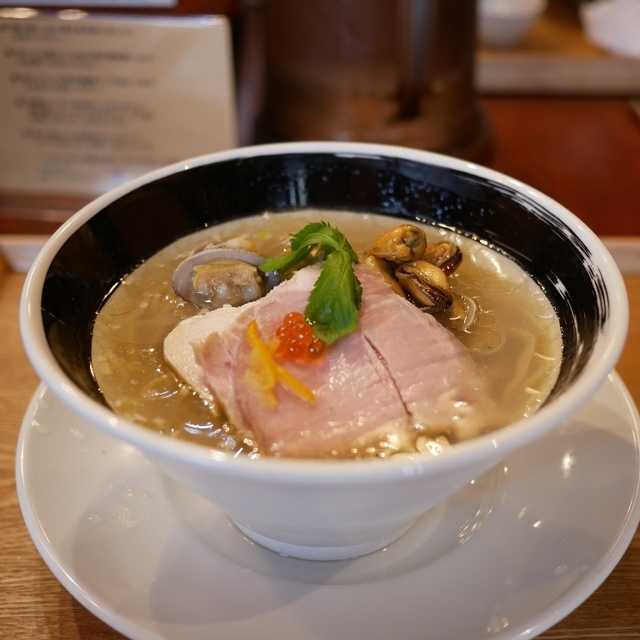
point(333, 304)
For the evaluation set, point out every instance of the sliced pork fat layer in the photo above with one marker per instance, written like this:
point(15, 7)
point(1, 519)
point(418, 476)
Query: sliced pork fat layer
point(431, 369)
point(399, 371)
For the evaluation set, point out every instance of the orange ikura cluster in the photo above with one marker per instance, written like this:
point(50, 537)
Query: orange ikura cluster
point(296, 340)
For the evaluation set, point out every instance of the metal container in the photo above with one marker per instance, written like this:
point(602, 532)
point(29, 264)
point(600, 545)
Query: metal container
point(391, 71)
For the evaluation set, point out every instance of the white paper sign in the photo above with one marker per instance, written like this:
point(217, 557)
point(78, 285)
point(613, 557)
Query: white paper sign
point(88, 104)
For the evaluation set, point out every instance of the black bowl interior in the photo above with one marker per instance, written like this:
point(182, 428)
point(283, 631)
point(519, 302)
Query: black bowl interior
point(126, 232)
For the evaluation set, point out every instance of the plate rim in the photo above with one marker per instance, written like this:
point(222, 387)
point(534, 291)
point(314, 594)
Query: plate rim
point(541, 621)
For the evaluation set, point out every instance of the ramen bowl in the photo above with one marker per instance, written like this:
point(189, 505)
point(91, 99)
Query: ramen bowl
point(322, 509)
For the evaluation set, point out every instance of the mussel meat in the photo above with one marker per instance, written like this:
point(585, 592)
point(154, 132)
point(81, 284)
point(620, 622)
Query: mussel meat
point(446, 255)
point(400, 244)
point(426, 284)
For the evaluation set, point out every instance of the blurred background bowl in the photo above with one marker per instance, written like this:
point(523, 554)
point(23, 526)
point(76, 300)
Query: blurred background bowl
point(504, 23)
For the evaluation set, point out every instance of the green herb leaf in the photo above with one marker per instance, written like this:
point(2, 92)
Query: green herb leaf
point(286, 261)
point(305, 237)
point(332, 308)
point(333, 305)
point(325, 236)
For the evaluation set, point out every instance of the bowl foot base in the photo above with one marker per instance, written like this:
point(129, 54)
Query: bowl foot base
point(304, 552)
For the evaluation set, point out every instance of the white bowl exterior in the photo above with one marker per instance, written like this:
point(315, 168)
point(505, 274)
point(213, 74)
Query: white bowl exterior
point(320, 513)
point(313, 503)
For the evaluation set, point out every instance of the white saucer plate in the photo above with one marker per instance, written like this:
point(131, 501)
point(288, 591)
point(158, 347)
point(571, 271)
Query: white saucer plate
point(507, 557)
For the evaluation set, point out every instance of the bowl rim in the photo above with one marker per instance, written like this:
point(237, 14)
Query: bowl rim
point(505, 439)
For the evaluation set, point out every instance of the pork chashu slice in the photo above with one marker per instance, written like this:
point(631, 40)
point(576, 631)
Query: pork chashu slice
point(400, 371)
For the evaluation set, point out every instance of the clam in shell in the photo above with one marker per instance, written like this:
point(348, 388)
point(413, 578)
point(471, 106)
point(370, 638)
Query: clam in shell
point(220, 276)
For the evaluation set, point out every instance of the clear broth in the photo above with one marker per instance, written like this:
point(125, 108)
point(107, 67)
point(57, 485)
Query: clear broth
point(515, 339)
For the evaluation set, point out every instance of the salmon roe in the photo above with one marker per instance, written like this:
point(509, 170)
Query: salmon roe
point(296, 340)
